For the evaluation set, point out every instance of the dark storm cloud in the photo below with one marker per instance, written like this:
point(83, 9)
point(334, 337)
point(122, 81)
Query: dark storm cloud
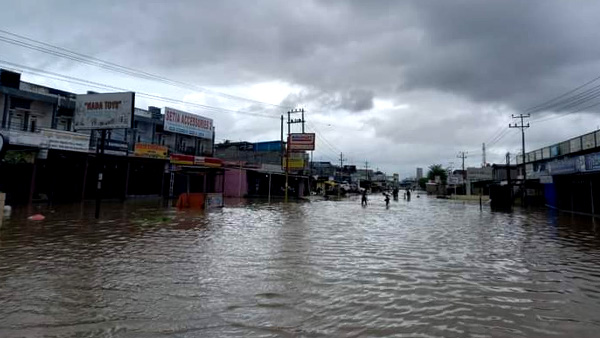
point(513, 52)
point(460, 67)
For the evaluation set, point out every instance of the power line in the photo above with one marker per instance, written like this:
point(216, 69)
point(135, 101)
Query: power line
point(71, 79)
point(90, 60)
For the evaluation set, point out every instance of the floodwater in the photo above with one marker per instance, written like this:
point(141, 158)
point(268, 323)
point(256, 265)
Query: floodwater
point(424, 268)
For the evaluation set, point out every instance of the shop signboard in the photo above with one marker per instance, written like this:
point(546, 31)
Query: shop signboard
point(180, 122)
point(208, 161)
point(566, 166)
point(295, 163)
point(575, 144)
point(196, 160)
point(104, 111)
point(182, 159)
point(301, 141)
point(546, 153)
point(66, 140)
point(564, 148)
point(588, 141)
point(592, 162)
point(116, 147)
point(546, 179)
point(554, 150)
point(150, 150)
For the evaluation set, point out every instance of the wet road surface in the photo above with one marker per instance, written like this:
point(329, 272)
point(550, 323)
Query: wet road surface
point(424, 268)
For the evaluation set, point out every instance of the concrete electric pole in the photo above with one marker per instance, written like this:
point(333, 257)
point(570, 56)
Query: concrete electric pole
point(522, 126)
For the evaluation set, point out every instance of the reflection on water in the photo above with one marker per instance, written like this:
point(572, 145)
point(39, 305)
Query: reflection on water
point(424, 268)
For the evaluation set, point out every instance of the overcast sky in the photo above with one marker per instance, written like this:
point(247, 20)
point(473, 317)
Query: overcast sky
point(400, 84)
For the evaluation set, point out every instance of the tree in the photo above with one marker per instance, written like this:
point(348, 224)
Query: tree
point(423, 182)
point(437, 170)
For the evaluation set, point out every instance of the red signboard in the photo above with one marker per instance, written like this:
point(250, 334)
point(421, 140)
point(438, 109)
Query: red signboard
point(301, 141)
point(196, 160)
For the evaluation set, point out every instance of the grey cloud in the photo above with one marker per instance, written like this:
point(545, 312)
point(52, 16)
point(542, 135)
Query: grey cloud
point(498, 57)
point(352, 100)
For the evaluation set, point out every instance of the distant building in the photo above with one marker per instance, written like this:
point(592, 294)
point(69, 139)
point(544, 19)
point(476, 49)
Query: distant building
point(419, 173)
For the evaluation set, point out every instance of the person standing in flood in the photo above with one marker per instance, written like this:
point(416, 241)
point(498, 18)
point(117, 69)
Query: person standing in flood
point(408, 194)
point(363, 200)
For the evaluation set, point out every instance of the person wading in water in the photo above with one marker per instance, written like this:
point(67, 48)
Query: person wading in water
point(363, 201)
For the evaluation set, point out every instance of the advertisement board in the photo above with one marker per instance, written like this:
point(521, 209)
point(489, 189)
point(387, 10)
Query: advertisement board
point(554, 150)
point(301, 141)
point(66, 140)
point(180, 122)
point(588, 141)
point(150, 150)
point(104, 111)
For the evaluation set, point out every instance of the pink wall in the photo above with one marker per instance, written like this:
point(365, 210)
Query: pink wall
point(232, 183)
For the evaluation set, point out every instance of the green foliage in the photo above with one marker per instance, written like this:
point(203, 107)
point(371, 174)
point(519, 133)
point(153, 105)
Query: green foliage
point(423, 182)
point(437, 170)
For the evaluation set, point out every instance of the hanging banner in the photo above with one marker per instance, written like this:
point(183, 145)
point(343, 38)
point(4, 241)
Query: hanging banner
point(301, 141)
point(104, 111)
point(180, 122)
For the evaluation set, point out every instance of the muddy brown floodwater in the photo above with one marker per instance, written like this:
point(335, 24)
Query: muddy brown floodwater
point(424, 268)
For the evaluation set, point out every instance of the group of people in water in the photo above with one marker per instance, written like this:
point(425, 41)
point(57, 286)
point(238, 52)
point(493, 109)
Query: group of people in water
point(395, 193)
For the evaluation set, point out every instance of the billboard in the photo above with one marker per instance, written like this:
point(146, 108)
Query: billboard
point(104, 111)
point(301, 141)
point(480, 174)
point(180, 122)
point(150, 150)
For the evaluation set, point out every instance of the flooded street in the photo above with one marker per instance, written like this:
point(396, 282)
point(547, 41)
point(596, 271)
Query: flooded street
point(424, 268)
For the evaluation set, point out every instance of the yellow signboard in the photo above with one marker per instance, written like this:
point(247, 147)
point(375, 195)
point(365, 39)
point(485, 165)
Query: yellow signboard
point(150, 150)
point(295, 163)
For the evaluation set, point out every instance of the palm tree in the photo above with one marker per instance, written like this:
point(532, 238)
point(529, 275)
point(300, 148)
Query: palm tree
point(437, 170)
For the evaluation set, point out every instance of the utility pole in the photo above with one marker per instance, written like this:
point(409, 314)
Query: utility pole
point(483, 148)
point(522, 126)
point(508, 171)
point(462, 155)
point(287, 148)
point(341, 171)
point(367, 169)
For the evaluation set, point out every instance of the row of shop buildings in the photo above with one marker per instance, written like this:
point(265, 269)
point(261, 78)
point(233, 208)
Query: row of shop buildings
point(52, 158)
point(563, 176)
